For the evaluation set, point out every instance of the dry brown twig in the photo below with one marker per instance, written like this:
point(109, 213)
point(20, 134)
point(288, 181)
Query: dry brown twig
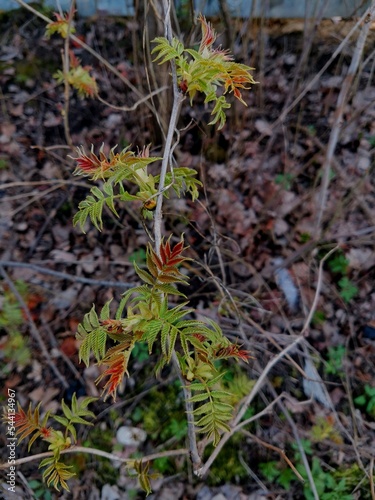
point(316, 78)
point(342, 99)
point(205, 468)
point(60, 182)
point(278, 450)
point(134, 106)
point(65, 276)
point(295, 431)
point(263, 377)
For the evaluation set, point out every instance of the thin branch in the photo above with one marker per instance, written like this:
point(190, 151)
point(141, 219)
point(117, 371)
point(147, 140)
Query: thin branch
point(263, 377)
point(299, 444)
point(252, 474)
point(175, 113)
point(278, 450)
point(35, 198)
point(63, 356)
point(317, 291)
point(338, 117)
point(281, 354)
point(193, 448)
point(65, 276)
point(47, 221)
point(167, 163)
point(265, 411)
point(33, 328)
point(63, 182)
point(316, 78)
point(135, 105)
point(94, 451)
point(203, 471)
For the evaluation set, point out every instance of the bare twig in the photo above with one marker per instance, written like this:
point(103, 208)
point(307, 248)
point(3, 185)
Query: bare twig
point(193, 448)
point(278, 450)
point(317, 291)
point(135, 105)
point(228, 23)
point(51, 215)
point(252, 474)
point(261, 380)
point(265, 411)
point(166, 161)
point(299, 444)
point(175, 113)
point(42, 194)
point(263, 377)
point(63, 356)
point(33, 328)
point(61, 182)
point(341, 101)
point(94, 451)
point(65, 276)
point(316, 78)
point(203, 470)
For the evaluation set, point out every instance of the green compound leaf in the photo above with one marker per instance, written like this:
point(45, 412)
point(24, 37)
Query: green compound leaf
point(219, 112)
point(75, 414)
point(215, 412)
point(166, 51)
point(92, 208)
point(347, 289)
point(93, 335)
point(57, 473)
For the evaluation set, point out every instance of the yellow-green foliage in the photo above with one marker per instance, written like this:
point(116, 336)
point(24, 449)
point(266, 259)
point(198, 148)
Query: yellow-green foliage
point(211, 72)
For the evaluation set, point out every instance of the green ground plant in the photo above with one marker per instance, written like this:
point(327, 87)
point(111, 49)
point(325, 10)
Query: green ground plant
point(3, 164)
point(285, 180)
point(366, 400)
point(330, 484)
point(335, 360)
point(339, 265)
point(39, 490)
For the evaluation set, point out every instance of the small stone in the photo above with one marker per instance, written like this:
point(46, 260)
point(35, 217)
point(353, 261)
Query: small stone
point(130, 436)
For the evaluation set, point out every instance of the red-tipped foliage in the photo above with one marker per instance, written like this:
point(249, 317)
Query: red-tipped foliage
point(232, 351)
point(113, 326)
point(29, 423)
point(164, 267)
point(199, 336)
point(117, 362)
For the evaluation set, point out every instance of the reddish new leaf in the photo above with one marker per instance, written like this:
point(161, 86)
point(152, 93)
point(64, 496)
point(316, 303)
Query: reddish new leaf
point(117, 361)
point(232, 351)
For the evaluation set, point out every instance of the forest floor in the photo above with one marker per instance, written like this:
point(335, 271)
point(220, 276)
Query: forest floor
point(258, 238)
